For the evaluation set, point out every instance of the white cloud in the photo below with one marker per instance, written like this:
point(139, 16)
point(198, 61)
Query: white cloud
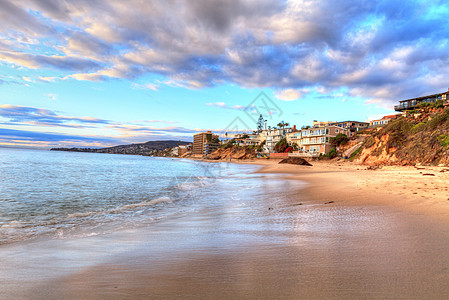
point(289, 94)
point(285, 45)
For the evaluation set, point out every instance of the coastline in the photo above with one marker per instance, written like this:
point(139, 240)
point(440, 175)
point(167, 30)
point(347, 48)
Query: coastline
point(349, 232)
point(410, 188)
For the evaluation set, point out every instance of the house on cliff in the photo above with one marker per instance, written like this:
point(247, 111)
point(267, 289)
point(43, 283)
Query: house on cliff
point(384, 121)
point(413, 103)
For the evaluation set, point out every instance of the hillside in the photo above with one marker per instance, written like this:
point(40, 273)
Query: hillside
point(148, 148)
point(421, 137)
point(235, 152)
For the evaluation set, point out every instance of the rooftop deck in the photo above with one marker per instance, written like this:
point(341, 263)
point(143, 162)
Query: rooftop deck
point(415, 102)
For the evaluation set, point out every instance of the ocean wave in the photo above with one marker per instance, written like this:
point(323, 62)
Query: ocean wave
point(12, 224)
point(126, 207)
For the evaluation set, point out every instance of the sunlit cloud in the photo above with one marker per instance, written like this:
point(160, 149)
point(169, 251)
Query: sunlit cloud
point(284, 45)
point(20, 115)
point(290, 94)
point(16, 117)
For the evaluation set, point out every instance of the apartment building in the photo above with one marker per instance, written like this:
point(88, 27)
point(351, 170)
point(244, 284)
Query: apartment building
point(182, 150)
point(203, 143)
point(316, 141)
point(273, 136)
point(294, 137)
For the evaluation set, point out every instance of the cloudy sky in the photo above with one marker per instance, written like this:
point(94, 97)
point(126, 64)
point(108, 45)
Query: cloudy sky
point(99, 73)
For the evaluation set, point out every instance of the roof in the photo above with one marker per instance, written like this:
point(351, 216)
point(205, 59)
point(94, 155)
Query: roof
point(425, 97)
point(349, 122)
point(391, 116)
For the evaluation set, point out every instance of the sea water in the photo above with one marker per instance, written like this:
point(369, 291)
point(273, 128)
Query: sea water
point(69, 194)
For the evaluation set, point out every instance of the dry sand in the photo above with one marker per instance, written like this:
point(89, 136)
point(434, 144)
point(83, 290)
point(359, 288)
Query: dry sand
point(420, 189)
point(351, 233)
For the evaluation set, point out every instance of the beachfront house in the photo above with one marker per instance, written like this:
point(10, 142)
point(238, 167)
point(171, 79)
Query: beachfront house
point(293, 137)
point(351, 126)
point(384, 121)
point(253, 139)
point(316, 140)
point(413, 103)
point(273, 136)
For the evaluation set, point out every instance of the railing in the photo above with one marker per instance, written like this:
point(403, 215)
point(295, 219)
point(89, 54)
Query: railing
point(414, 104)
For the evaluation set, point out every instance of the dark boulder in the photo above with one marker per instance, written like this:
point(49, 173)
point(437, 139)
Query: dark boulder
point(295, 161)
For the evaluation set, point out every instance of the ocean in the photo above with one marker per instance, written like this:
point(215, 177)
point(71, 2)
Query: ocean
point(95, 226)
point(68, 194)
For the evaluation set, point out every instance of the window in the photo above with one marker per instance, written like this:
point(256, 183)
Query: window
point(336, 130)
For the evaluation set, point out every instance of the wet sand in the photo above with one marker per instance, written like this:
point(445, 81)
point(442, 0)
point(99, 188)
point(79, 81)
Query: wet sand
point(349, 233)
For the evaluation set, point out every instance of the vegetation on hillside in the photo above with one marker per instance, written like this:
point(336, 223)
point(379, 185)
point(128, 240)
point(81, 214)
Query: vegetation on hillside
point(422, 136)
point(339, 140)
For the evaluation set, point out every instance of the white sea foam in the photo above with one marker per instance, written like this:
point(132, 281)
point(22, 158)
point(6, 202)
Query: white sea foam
point(127, 207)
point(142, 204)
point(12, 224)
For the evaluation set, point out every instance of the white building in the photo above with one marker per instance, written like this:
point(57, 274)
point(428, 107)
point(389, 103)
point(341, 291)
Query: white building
point(272, 137)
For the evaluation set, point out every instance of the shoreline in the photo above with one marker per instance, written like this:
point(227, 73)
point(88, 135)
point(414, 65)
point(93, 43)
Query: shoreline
point(409, 187)
point(350, 232)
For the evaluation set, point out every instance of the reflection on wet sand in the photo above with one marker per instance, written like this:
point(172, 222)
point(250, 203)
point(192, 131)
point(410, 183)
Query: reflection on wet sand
point(261, 244)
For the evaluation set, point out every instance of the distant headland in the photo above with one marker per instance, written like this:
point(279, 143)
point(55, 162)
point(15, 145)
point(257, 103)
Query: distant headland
point(151, 148)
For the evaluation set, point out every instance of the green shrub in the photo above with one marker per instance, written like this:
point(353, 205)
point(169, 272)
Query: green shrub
point(444, 140)
point(281, 146)
point(329, 155)
point(424, 104)
point(340, 139)
point(437, 120)
point(332, 153)
point(438, 104)
point(418, 127)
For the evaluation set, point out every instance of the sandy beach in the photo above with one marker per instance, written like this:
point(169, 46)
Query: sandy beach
point(338, 231)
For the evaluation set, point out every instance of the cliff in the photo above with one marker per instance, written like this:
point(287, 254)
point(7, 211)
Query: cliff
point(421, 137)
point(235, 152)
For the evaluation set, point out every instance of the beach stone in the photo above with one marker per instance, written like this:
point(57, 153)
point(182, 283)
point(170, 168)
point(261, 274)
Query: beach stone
point(295, 161)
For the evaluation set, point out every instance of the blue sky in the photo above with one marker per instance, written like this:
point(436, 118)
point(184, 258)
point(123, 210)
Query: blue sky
point(102, 73)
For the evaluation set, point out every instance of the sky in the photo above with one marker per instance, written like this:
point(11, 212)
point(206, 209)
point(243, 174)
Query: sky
point(102, 73)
